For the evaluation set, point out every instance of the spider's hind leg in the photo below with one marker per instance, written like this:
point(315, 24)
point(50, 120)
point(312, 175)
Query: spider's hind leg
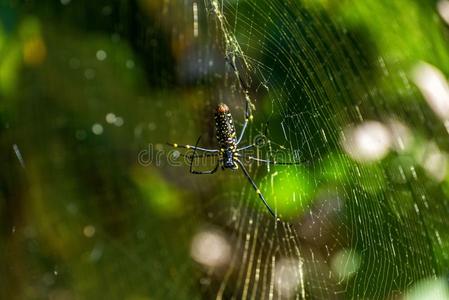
point(193, 157)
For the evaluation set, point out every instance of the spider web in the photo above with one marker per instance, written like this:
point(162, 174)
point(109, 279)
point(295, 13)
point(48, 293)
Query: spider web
point(338, 86)
point(350, 235)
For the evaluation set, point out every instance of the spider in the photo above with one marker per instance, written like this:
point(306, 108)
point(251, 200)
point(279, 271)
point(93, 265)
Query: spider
point(228, 152)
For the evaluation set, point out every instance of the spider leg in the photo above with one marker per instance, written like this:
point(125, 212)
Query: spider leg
point(204, 172)
point(248, 116)
point(199, 155)
point(246, 147)
point(259, 193)
point(272, 162)
point(243, 131)
point(231, 60)
point(193, 158)
point(244, 85)
point(193, 147)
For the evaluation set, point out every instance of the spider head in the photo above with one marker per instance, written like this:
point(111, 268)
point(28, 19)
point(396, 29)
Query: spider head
point(228, 160)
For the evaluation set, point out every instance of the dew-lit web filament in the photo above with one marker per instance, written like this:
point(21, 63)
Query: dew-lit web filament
point(19, 155)
point(195, 19)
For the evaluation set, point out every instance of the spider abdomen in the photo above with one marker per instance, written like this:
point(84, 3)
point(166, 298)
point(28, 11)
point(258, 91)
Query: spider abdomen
point(225, 129)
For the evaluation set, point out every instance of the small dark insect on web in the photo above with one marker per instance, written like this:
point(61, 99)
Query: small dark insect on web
point(229, 154)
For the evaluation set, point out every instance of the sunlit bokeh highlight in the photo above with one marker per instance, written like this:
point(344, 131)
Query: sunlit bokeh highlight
point(288, 274)
point(367, 142)
point(402, 138)
point(430, 288)
point(435, 162)
point(345, 263)
point(210, 248)
point(443, 10)
point(434, 87)
point(89, 231)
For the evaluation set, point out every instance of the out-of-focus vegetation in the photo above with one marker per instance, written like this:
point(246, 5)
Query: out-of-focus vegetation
point(92, 207)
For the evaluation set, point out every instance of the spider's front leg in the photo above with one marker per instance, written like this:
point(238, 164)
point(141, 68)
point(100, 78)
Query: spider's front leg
point(246, 147)
point(259, 193)
point(248, 103)
point(273, 162)
point(248, 116)
point(174, 145)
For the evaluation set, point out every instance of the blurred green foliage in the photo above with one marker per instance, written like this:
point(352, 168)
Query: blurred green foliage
point(83, 219)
